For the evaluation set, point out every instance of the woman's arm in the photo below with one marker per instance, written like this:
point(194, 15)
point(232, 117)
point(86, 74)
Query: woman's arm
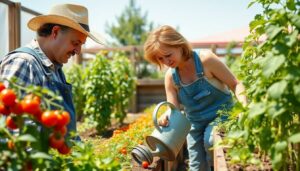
point(171, 93)
point(216, 68)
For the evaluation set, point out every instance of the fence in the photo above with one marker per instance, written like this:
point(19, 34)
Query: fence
point(14, 17)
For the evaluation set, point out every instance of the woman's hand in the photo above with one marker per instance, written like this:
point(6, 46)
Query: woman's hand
point(163, 120)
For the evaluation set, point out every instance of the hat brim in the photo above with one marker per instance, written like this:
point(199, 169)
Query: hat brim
point(36, 22)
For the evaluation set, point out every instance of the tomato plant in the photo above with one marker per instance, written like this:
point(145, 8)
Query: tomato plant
point(24, 119)
point(270, 71)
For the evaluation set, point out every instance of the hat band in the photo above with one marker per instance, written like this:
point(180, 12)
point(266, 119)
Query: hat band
point(86, 27)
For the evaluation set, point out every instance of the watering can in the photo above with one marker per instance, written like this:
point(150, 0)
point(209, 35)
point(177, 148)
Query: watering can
point(164, 142)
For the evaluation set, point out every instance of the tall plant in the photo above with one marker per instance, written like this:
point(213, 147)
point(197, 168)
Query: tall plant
point(124, 82)
point(270, 70)
point(76, 76)
point(99, 92)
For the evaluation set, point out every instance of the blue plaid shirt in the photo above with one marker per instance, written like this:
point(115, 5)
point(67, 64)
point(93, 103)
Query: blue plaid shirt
point(25, 67)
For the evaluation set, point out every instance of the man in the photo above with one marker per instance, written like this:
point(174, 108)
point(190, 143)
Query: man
point(60, 35)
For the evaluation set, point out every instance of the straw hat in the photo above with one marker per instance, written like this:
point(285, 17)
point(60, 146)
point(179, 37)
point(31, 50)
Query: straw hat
point(73, 16)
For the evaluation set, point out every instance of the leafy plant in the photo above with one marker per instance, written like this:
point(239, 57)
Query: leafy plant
point(270, 71)
point(99, 91)
point(28, 127)
point(124, 83)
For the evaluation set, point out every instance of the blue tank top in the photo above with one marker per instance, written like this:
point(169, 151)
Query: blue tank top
point(201, 100)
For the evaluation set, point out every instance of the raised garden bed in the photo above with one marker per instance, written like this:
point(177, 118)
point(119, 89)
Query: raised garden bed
point(222, 161)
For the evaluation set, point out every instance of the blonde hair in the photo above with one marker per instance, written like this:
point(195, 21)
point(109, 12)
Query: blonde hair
point(168, 37)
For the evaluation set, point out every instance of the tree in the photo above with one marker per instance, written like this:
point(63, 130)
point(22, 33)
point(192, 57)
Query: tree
point(132, 26)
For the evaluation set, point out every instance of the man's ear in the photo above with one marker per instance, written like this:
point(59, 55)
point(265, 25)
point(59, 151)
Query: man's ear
point(55, 31)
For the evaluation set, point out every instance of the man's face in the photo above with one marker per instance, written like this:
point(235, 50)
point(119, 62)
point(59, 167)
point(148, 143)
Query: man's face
point(66, 44)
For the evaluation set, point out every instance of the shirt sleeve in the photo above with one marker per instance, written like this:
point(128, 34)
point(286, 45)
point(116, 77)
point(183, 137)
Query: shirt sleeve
point(16, 67)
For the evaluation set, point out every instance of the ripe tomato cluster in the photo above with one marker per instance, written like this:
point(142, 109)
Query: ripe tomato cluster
point(12, 108)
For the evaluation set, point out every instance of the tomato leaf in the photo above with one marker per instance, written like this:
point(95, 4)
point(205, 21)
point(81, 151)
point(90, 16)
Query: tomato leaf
point(277, 89)
point(256, 110)
point(27, 138)
point(273, 65)
point(40, 155)
point(297, 91)
point(294, 138)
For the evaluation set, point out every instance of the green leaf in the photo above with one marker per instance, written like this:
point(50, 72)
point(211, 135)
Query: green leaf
point(272, 66)
point(297, 91)
point(276, 160)
point(281, 146)
point(296, 20)
point(272, 31)
point(275, 110)
point(294, 138)
point(27, 138)
point(256, 110)
point(291, 4)
point(2, 122)
point(251, 3)
point(257, 22)
point(277, 89)
point(291, 39)
point(40, 155)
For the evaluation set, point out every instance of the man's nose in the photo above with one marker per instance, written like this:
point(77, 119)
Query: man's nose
point(77, 50)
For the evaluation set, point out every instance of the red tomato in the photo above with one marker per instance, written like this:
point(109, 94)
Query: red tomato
point(62, 130)
point(30, 106)
point(64, 149)
point(33, 97)
point(56, 140)
point(145, 164)
point(63, 118)
point(4, 110)
point(16, 108)
point(10, 123)
point(2, 86)
point(124, 151)
point(8, 97)
point(38, 115)
point(49, 118)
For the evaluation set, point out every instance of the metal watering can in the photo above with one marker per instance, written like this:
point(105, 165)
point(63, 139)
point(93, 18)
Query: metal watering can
point(164, 142)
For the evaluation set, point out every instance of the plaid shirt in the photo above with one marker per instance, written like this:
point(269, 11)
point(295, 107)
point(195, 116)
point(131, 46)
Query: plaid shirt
point(26, 68)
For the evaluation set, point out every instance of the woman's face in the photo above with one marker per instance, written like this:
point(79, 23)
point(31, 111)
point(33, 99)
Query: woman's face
point(171, 56)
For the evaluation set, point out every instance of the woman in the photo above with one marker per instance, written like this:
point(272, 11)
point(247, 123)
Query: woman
point(199, 82)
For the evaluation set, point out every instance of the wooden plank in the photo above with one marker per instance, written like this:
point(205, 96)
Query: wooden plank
point(219, 157)
point(151, 91)
point(14, 25)
point(151, 99)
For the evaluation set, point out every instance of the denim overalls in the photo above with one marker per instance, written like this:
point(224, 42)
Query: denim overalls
point(201, 101)
point(63, 88)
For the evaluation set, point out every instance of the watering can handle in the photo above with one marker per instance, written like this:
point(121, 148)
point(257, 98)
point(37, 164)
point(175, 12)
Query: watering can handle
point(154, 116)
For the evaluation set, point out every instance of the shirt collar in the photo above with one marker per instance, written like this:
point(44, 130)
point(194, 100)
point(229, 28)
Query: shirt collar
point(45, 60)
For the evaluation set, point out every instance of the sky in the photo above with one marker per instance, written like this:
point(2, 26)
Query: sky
point(194, 18)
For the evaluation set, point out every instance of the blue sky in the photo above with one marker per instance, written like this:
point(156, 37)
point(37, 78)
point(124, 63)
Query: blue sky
point(195, 18)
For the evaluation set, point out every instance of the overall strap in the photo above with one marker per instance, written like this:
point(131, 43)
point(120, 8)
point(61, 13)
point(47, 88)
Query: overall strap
point(25, 50)
point(175, 77)
point(198, 65)
point(35, 55)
